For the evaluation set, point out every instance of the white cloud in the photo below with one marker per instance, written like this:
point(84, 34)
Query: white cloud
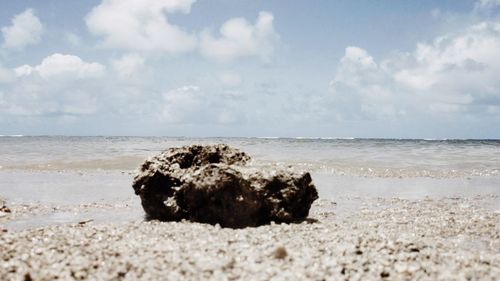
point(59, 65)
point(355, 64)
point(128, 65)
point(360, 87)
point(456, 73)
point(26, 29)
point(59, 85)
point(239, 38)
point(141, 25)
point(457, 69)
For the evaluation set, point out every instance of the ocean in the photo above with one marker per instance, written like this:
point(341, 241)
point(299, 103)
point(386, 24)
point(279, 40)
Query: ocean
point(385, 158)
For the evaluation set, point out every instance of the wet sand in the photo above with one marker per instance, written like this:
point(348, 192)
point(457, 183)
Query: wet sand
point(89, 225)
point(43, 198)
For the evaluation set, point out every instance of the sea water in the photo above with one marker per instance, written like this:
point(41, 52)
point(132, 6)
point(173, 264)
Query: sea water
point(383, 158)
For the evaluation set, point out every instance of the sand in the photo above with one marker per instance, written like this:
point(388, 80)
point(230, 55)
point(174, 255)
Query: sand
point(393, 239)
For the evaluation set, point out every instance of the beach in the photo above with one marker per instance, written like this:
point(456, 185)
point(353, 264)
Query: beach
point(74, 216)
point(446, 239)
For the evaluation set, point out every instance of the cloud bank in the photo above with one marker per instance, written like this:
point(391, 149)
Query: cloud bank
point(454, 74)
point(141, 25)
point(59, 85)
point(138, 25)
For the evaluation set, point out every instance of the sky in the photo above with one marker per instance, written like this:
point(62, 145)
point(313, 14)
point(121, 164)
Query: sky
point(243, 68)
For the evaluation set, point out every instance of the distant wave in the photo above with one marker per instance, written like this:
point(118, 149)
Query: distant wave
point(359, 170)
point(324, 138)
point(306, 138)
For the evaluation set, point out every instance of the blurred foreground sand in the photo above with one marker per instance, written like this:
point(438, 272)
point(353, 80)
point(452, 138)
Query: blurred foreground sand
point(427, 239)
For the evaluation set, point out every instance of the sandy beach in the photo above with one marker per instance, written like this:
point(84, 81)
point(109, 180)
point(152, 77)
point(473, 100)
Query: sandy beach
point(378, 219)
point(393, 239)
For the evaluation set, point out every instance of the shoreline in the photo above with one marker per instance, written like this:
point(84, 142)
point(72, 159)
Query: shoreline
point(43, 198)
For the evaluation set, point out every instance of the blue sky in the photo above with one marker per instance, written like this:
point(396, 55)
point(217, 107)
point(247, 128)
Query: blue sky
point(409, 69)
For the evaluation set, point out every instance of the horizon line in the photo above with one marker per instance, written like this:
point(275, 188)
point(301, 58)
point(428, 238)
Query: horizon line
point(259, 137)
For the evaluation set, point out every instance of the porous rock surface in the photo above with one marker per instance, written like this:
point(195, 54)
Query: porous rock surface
point(213, 184)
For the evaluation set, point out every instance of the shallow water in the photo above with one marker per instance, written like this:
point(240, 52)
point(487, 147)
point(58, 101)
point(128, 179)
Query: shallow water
point(351, 157)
